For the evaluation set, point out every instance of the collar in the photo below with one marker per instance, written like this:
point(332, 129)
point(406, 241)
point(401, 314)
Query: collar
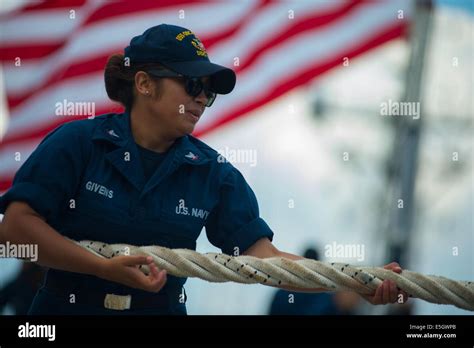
point(116, 129)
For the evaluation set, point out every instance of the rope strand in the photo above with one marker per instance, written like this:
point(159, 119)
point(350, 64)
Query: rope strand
point(305, 273)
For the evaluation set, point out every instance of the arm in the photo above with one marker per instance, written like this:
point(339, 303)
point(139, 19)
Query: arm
point(22, 225)
point(41, 189)
point(387, 292)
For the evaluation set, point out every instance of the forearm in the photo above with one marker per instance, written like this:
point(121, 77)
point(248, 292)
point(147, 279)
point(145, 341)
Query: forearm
point(21, 225)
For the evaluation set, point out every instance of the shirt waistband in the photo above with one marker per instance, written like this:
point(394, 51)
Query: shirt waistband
point(91, 291)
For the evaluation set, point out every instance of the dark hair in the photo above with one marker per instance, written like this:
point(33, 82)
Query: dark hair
point(120, 79)
point(311, 253)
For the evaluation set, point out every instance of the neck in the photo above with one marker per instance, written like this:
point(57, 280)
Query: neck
point(148, 133)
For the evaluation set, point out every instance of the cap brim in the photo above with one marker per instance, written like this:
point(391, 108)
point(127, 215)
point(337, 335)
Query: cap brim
point(222, 79)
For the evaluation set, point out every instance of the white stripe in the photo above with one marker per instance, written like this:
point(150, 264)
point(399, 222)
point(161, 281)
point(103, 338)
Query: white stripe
point(45, 26)
point(114, 34)
point(40, 109)
point(16, 31)
point(295, 54)
point(250, 88)
point(8, 153)
point(308, 48)
point(268, 24)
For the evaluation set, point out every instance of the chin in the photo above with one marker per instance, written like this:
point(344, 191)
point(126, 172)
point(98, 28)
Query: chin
point(188, 129)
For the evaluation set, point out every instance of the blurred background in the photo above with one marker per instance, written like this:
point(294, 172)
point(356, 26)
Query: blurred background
point(351, 121)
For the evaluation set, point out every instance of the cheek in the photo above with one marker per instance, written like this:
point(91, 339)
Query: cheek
point(176, 100)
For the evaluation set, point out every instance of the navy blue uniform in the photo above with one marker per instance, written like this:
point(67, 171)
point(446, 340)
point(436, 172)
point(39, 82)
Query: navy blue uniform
point(90, 180)
point(305, 304)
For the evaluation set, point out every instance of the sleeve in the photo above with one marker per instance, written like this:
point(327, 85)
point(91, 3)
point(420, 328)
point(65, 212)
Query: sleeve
point(235, 221)
point(49, 177)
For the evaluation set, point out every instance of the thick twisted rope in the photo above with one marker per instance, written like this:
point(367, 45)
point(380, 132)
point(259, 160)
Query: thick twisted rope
point(305, 273)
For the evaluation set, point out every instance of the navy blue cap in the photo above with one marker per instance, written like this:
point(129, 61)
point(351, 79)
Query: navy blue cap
point(179, 50)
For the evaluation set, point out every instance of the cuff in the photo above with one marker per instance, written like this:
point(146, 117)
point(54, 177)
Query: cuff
point(247, 236)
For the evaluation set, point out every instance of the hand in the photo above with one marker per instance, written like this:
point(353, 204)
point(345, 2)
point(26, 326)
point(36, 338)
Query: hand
point(387, 292)
point(124, 270)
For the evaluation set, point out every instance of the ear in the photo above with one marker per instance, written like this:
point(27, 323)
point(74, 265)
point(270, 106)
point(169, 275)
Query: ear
point(143, 83)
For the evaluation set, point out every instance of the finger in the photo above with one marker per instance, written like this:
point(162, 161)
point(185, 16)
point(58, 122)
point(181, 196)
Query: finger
point(393, 266)
point(154, 272)
point(377, 299)
point(159, 282)
point(386, 292)
point(137, 260)
point(149, 282)
point(393, 292)
point(404, 295)
point(148, 262)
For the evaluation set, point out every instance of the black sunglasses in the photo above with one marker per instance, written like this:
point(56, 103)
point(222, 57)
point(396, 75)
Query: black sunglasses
point(192, 85)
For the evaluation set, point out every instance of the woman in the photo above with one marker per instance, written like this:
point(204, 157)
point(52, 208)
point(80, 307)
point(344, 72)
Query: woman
point(137, 178)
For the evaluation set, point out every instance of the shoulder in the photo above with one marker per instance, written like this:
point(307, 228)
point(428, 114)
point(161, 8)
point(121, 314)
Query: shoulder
point(224, 169)
point(208, 151)
point(216, 159)
point(73, 138)
point(72, 131)
point(85, 127)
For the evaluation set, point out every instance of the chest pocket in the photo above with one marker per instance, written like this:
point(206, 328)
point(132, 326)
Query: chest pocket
point(186, 208)
point(105, 199)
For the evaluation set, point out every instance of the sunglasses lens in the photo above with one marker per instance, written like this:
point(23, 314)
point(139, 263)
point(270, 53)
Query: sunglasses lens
point(211, 96)
point(194, 87)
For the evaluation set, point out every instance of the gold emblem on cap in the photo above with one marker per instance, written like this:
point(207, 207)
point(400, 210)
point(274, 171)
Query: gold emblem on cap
point(201, 50)
point(183, 34)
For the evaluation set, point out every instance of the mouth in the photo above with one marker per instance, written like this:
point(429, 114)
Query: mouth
point(194, 115)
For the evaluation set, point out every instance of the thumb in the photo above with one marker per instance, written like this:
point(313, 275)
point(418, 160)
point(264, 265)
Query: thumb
point(393, 266)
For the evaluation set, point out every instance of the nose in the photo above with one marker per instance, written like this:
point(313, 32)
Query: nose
point(201, 98)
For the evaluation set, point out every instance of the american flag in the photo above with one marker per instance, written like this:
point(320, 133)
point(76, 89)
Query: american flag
point(55, 51)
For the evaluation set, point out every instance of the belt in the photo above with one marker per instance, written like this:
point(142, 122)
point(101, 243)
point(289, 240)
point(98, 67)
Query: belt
point(87, 296)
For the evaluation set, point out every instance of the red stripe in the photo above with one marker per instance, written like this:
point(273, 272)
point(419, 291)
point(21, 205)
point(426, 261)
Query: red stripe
point(5, 184)
point(34, 50)
point(277, 91)
point(82, 68)
point(42, 130)
point(231, 31)
point(307, 24)
point(38, 6)
point(292, 82)
point(52, 4)
point(96, 64)
point(127, 8)
point(304, 77)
